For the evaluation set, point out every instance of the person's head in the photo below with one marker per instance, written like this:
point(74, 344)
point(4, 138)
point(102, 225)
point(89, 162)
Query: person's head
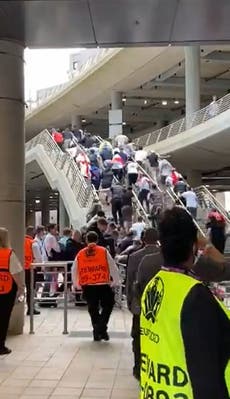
point(214, 98)
point(140, 147)
point(102, 224)
point(76, 235)
point(67, 232)
point(130, 188)
point(52, 229)
point(92, 151)
point(111, 227)
point(180, 178)
point(91, 237)
point(101, 214)
point(30, 231)
point(140, 219)
point(40, 231)
point(178, 238)
point(150, 236)
point(4, 238)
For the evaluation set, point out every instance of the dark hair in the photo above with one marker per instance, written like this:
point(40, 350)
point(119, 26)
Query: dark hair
point(91, 237)
point(30, 230)
point(178, 234)
point(112, 225)
point(51, 226)
point(140, 218)
point(102, 221)
point(66, 231)
point(150, 235)
point(101, 214)
point(39, 229)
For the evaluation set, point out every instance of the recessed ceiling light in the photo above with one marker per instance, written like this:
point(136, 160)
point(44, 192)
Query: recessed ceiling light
point(37, 201)
point(164, 102)
point(124, 99)
point(176, 102)
point(145, 102)
point(83, 120)
point(123, 123)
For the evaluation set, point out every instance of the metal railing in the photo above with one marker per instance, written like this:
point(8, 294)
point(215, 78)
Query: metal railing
point(48, 266)
point(208, 200)
point(84, 192)
point(90, 63)
point(181, 125)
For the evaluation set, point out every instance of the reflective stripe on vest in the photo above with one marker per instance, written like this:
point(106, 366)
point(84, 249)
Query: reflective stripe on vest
point(93, 266)
point(6, 279)
point(164, 373)
point(28, 253)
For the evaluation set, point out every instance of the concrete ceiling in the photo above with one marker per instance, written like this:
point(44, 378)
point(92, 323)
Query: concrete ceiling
point(88, 23)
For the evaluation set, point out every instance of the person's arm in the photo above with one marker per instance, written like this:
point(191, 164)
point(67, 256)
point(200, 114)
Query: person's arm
point(54, 244)
point(129, 281)
point(203, 326)
point(113, 269)
point(74, 274)
point(17, 273)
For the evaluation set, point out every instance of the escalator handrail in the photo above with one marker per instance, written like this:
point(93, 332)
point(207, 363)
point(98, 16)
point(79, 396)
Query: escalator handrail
point(217, 204)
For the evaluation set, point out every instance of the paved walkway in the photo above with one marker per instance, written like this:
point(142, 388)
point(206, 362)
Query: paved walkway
point(51, 365)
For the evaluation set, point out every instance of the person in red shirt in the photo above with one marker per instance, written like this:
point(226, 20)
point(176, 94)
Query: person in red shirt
point(57, 137)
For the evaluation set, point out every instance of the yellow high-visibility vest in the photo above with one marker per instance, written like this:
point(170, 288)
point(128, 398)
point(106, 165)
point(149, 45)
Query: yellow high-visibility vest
point(164, 373)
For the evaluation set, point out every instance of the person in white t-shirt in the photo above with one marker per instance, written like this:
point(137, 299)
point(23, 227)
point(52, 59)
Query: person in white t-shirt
point(191, 201)
point(139, 226)
point(121, 140)
point(132, 172)
point(140, 155)
point(52, 249)
point(213, 107)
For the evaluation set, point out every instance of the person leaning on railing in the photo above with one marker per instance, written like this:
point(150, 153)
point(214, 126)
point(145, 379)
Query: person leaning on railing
point(11, 285)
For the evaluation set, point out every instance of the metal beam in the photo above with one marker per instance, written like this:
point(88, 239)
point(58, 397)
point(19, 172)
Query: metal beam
point(223, 84)
point(170, 72)
point(222, 57)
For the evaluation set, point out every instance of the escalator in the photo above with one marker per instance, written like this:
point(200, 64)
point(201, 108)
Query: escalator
point(63, 175)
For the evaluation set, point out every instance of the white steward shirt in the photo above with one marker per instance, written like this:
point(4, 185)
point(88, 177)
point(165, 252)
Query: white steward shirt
point(132, 168)
point(113, 269)
point(191, 199)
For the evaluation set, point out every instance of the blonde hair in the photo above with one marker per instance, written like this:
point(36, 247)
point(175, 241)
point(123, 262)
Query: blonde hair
point(4, 238)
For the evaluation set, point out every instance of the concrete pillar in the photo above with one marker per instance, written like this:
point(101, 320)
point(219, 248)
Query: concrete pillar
point(194, 178)
point(192, 82)
point(63, 216)
point(45, 208)
point(76, 121)
point(12, 179)
point(115, 114)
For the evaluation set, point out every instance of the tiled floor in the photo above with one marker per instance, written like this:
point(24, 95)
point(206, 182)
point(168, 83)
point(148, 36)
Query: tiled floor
point(51, 365)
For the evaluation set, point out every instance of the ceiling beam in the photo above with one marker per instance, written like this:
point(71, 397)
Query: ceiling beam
point(223, 84)
point(218, 57)
point(170, 72)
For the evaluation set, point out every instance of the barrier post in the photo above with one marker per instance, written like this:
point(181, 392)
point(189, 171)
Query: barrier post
point(65, 331)
point(32, 299)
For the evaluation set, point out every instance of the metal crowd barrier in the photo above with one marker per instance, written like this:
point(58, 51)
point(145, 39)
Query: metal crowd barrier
point(49, 265)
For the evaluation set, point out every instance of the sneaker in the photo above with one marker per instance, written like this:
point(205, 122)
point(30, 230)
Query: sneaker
point(105, 336)
point(35, 312)
point(5, 351)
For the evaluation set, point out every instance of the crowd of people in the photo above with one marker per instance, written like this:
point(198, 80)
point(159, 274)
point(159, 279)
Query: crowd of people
point(179, 330)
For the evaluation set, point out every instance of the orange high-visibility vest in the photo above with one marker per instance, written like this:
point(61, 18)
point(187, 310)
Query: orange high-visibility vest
point(92, 266)
point(6, 279)
point(28, 253)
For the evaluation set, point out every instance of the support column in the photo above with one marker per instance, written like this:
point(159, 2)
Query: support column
point(192, 82)
point(63, 216)
point(45, 210)
point(76, 121)
point(12, 178)
point(194, 178)
point(115, 114)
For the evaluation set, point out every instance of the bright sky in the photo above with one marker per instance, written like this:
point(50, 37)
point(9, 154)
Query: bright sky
point(45, 68)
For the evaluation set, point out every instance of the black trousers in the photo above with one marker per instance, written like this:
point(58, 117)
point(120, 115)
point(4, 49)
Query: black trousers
point(116, 210)
point(27, 283)
point(100, 301)
point(136, 344)
point(6, 307)
point(132, 178)
point(143, 197)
